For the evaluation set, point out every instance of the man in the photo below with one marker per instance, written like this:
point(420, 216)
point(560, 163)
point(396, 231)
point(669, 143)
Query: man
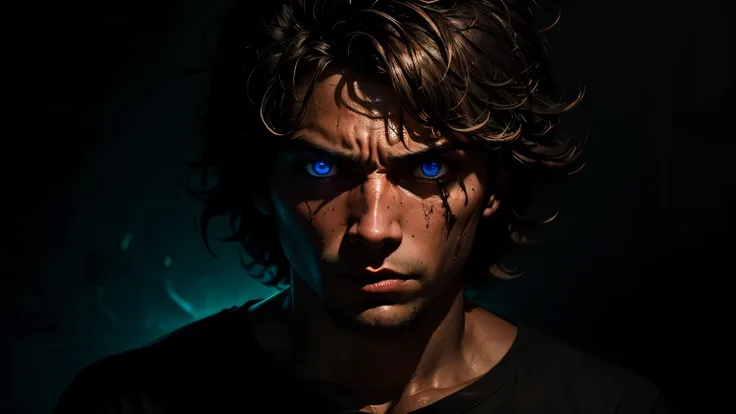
point(373, 156)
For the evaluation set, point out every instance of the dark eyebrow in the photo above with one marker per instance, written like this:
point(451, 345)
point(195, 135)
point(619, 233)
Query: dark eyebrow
point(301, 144)
point(416, 157)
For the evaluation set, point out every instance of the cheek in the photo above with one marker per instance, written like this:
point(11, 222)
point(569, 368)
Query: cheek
point(445, 236)
point(442, 222)
point(317, 224)
point(466, 204)
point(294, 221)
point(325, 218)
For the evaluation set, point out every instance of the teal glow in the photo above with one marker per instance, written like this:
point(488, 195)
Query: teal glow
point(125, 243)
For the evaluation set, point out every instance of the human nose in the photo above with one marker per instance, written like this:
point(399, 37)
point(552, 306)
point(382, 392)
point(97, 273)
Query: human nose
point(376, 215)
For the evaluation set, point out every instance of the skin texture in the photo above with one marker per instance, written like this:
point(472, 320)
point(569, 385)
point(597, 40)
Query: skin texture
point(350, 199)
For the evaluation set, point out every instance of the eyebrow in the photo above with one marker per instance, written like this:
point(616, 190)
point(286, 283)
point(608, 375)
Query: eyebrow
point(304, 144)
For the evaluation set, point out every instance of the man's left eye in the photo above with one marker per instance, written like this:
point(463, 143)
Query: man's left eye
point(320, 169)
point(431, 170)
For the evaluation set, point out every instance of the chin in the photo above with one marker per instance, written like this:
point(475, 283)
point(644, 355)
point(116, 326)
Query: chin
point(378, 319)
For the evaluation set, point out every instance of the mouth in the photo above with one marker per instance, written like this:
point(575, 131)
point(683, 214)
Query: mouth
point(381, 281)
point(388, 285)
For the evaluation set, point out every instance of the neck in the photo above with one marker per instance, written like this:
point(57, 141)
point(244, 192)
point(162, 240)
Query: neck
point(427, 354)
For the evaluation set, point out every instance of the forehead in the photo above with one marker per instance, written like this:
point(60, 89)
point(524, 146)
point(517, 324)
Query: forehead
point(362, 119)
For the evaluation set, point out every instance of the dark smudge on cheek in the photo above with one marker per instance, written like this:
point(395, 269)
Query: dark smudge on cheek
point(427, 209)
point(464, 190)
point(465, 229)
point(450, 217)
point(311, 212)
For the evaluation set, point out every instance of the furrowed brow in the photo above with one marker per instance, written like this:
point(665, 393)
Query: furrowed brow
point(302, 144)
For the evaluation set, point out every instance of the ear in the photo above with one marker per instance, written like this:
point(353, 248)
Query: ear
point(491, 206)
point(262, 204)
point(494, 201)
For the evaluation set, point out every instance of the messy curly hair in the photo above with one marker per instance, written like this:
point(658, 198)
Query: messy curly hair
point(474, 67)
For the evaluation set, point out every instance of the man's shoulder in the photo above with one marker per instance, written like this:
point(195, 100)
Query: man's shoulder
point(188, 359)
point(559, 368)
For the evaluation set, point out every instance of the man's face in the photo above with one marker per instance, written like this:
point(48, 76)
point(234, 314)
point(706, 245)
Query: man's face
point(376, 227)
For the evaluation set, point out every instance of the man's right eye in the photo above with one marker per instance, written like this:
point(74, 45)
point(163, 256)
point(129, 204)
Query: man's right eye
point(320, 169)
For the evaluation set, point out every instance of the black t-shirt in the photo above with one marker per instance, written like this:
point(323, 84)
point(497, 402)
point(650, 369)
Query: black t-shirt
point(216, 366)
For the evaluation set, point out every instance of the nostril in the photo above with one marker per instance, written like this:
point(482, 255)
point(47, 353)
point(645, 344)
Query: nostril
point(375, 243)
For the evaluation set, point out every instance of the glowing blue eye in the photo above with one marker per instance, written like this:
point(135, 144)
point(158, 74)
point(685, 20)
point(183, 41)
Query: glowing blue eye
point(431, 169)
point(320, 169)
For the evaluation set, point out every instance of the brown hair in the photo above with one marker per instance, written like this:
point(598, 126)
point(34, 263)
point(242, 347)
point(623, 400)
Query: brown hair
point(477, 67)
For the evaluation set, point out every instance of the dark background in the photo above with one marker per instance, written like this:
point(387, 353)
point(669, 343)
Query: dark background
point(100, 253)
